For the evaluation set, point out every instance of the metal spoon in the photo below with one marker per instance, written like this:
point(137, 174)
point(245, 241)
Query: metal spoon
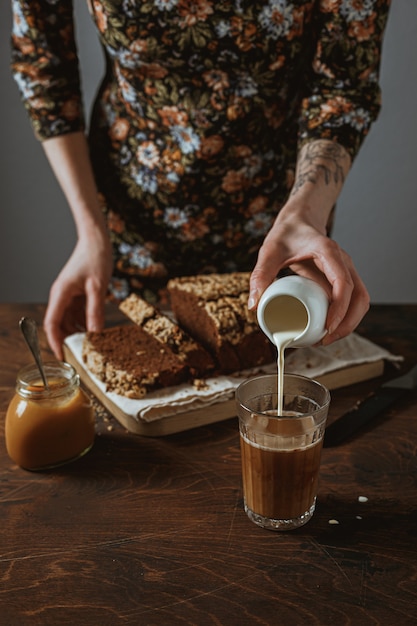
point(30, 333)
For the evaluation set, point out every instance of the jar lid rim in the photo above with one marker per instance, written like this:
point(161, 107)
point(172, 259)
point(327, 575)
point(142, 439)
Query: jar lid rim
point(29, 378)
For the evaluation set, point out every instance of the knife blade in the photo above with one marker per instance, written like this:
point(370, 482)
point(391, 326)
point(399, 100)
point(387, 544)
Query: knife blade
point(363, 412)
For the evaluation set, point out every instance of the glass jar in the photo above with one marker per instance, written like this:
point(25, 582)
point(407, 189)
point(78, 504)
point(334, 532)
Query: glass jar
point(49, 427)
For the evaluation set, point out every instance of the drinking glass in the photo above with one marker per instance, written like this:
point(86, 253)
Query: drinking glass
point(281, 454)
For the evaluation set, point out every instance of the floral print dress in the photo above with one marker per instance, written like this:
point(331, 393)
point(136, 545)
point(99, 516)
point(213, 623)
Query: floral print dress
point(198, 120)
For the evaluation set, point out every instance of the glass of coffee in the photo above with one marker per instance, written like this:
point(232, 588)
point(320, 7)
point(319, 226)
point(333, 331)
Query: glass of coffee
point(281, 453)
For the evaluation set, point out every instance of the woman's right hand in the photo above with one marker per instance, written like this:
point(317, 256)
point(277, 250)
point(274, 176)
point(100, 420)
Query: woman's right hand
point(77, 296)
point(298, 239)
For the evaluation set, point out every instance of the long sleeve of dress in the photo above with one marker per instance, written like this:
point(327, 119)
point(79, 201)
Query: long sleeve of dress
point(342, 94)
point(341, 48)
point(201, 113)
point(45, 65)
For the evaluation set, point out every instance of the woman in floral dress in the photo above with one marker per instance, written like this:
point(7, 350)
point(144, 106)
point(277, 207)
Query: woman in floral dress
point(220, 139)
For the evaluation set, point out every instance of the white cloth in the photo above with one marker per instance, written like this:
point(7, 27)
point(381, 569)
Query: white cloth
point(311, 362)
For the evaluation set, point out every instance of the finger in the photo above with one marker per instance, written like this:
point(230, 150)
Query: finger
point(53, 319)
point(62, 317)
point(94, 308)
point(358, 307)
point(350, 300)
point(270, 261)
point(56, 340)
point(337, 267)
point(55, 337)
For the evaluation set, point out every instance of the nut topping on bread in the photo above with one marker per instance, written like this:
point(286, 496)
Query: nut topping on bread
point(213, 309)
point(214, 333)
point(162, 328)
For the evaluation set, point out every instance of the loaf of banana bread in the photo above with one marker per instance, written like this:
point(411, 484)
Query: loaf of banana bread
point(213, 310)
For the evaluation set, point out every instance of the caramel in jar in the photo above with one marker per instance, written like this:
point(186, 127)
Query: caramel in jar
point(46, 428)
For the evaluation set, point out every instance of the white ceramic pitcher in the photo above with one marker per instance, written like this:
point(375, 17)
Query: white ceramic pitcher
point(309, 294)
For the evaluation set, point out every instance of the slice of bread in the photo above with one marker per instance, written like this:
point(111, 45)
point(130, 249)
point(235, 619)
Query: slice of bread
point(131, 362)
point(169, 334)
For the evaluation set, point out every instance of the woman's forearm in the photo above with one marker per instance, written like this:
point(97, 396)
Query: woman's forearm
point(322, 168)
point(298, 239)
point(69, 159)
point(77, 296)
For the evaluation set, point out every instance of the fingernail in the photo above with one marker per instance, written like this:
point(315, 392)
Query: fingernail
point(252, 299)
point(334, 325)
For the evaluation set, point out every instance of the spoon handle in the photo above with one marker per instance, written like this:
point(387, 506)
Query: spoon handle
point(30, 333)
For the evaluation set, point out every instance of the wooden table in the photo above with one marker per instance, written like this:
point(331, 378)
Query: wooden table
point(151, 531)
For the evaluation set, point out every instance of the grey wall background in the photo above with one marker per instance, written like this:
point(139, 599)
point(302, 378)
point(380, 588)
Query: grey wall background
point(377, 213)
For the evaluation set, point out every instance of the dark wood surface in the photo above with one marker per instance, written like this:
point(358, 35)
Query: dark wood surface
point(147, 531)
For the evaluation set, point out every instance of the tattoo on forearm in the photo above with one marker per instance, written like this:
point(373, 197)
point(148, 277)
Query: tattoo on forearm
point(321, 161)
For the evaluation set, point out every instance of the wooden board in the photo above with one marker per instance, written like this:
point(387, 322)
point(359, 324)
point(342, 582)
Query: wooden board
point(351, 375)
point(214, 412)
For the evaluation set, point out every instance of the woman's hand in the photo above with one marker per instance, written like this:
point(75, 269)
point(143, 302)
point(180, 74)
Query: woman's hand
point(77, 297)
point(311, 254)
point(298, 240)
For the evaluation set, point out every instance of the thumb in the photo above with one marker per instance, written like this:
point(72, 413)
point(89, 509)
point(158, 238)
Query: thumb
point(264, 273)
